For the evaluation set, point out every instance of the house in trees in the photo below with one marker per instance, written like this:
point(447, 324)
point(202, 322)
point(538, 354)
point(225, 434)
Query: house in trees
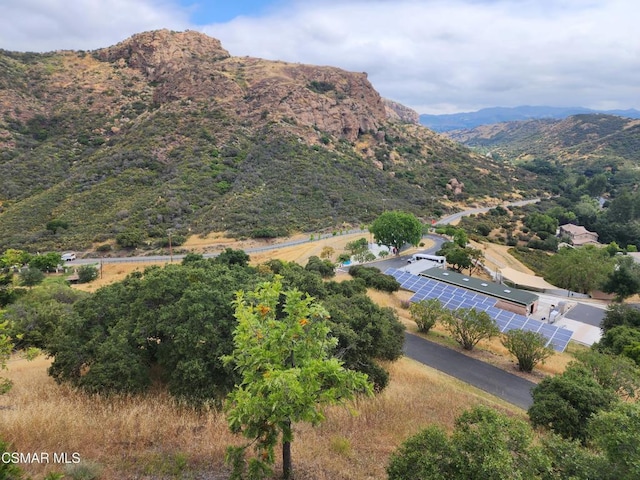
point(579, 235)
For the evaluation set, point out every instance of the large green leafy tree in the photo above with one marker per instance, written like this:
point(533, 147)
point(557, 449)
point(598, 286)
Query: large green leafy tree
point(564, 403)
point(620, 314)
point(579, 269)
point(460, 258)
point(34, 316)
point(624, 280)
point(621, 340)
point(613, 372)
point(365, 331)
point(173, 322)
point(13, 257)
point(283, 355)
point(46, 262)
point(541, 223)
point(484, 445)
point(617, 434)
point(396, 229)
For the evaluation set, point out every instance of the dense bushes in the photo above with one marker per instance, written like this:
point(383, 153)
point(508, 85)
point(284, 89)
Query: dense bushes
point(324, 268)
point(486, 444)
point(374, 278)
point(174, 324)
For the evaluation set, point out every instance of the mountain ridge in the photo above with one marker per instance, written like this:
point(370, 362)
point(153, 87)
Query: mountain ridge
point(491, 115)
point(584, 142)
point(166, 131)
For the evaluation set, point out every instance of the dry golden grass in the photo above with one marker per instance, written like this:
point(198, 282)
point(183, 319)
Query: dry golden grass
point(149, 436)
point(114, 272)
point(126, 435)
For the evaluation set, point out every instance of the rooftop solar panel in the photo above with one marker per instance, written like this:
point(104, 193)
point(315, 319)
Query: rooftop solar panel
point(455, 297)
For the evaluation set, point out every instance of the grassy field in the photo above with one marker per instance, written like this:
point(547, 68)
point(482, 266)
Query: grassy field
point(151, 436)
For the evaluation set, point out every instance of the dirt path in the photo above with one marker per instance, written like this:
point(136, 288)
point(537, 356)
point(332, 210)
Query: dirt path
point(497, 256)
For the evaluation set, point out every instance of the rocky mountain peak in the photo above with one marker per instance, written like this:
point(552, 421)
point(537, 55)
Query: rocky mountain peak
point(190, 66)
point(159, 51)
point(400, 113)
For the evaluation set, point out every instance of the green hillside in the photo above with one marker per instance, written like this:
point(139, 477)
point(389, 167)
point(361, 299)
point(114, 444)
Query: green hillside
point(137, 139)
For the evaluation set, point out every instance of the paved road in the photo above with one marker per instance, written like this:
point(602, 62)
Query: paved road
point(456, 216)
point(509, 387)
point(166, 258)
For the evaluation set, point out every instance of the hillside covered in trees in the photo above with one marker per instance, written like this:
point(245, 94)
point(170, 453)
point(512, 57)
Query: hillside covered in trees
point(166, 130)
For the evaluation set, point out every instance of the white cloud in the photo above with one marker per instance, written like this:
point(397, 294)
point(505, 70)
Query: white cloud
point(45, 25)
point(435, 55)
point(432, 55)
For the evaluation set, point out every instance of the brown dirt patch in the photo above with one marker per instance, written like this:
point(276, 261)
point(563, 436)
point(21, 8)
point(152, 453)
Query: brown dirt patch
point(498, 256)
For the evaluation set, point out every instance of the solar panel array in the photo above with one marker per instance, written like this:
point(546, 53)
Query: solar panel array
point(455, 297)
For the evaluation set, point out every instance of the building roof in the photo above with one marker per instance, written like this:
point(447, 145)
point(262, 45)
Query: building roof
point(496, 290)
point(525, 279)
point(576, 229)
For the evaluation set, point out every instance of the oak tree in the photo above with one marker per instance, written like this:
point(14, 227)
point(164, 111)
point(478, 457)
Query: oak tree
point(395, 229)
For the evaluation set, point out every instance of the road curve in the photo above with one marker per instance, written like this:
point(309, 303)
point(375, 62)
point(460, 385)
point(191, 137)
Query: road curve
point(509, 387)
point(473, 211)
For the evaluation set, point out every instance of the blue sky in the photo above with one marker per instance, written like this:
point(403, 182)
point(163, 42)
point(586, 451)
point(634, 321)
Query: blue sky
point(205, 12)
point(435, 56)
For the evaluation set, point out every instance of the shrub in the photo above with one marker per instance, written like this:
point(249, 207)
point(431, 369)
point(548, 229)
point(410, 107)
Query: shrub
point(105, 247)
point(8, 469)
point(268, 232)
point(83, 471)
point(564, 403)
point(426, 313)
point(469, 326)
point(323, 267)
point(528, 347)
point(54, 225)
point(87, 273)
point(130, 239)
point(321, 86)
point(31, 276)
point(374, 278)
point(176, 241)
point(484, 444)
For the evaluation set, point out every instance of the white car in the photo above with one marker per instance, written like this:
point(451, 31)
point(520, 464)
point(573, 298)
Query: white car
point(67, 257)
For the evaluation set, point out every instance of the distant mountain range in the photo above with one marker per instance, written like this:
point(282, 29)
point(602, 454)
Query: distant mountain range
point(584, 143)
point(487, 116)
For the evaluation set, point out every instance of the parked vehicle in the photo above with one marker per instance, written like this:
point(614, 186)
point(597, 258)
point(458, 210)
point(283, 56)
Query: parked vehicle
point(69, 256)
point(425, 256)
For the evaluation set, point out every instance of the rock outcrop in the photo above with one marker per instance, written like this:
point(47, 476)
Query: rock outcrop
point(399, 113)
point(190, 65)
point(455, 186)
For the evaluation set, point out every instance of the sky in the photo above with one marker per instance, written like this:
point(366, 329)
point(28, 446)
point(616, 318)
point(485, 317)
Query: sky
point(435, 56)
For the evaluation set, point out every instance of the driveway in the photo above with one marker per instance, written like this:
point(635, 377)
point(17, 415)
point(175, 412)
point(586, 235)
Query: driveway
point(509, 387)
